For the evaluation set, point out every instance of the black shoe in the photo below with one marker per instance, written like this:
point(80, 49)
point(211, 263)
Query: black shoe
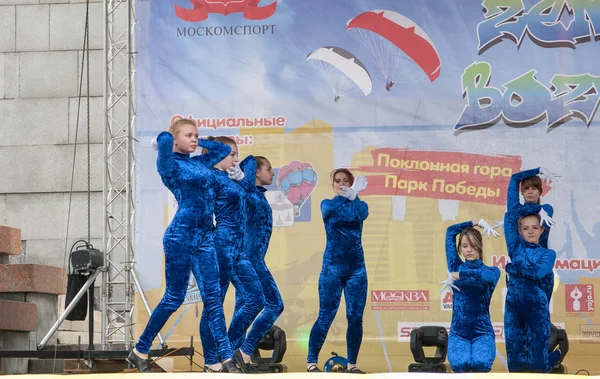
point(313, 368)
point(231, 367)
point(355, 370)
point(135, 361)
point(208, 369)
point(240, 361)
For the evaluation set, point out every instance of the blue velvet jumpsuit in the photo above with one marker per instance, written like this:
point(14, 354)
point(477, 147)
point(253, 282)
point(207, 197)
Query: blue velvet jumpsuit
point(256, 244)
point(188, 241)
point(343, 270)
point(231, 215)
point(527, 313)
point(471, 343)
point(513, 203)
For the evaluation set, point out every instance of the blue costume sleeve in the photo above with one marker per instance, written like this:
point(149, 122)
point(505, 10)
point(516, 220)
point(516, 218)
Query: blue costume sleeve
point(248, 166)
point(511, 225)
point(533, 270)
point(217, 151)
point(452, 258)
point(165, 161)
point(488, 276)
point(348, 210)
point(546, 234)
point(512, 200)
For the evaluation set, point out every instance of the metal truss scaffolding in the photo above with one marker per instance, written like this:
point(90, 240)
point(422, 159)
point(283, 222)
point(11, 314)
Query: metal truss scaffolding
point(117, 293)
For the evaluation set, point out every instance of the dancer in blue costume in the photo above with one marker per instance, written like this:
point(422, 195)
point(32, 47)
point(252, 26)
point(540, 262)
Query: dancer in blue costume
point(188, 242)
point(531, 189)
point(230, 229)
point(343, 267)
point(471, 343)
point(526, 312)
point(258, 173)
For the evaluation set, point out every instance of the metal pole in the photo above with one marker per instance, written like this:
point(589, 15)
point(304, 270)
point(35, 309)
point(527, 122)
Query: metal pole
point(72, 304)
point(105, 186)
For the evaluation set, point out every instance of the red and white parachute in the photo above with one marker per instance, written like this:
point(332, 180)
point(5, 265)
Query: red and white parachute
point(342, 71)
point(390, 38)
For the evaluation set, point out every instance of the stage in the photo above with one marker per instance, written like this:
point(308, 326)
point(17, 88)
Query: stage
point(291, 375)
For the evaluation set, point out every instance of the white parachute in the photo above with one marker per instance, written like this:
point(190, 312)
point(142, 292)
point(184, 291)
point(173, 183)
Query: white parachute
point(343, 72)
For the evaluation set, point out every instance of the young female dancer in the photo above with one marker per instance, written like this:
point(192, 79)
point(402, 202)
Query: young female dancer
point(531, 189)
point(526, 312)
point(258, 173)
point(230, 229)
point(188, 242)
point(343, 267)
point(471, 343)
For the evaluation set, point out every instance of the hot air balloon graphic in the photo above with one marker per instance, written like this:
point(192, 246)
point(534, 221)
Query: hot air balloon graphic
point(296, 181)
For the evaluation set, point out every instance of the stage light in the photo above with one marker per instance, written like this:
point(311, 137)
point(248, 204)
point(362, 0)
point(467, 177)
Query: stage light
point(558, 338)
point(275, 341)
point(428, 336)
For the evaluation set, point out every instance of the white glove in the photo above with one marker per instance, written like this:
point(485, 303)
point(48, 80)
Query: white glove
point(236, 173)
point(154, 143)
point(449, 283)
point(499, 224)
point(348, 193)
point(549, 176)
point(545, 217)
point(487, 228)
point(360, 183)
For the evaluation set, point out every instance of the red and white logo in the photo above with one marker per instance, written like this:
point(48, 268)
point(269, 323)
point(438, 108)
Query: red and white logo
point(411, 300)
point(446, 301)
point(579, 298)
point(202, 8)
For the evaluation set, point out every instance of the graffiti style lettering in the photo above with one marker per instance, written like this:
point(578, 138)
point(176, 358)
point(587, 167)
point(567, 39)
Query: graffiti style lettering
point(548, 23)
point(526, 100)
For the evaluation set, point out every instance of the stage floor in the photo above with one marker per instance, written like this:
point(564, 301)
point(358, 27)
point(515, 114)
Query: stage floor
point(298, 375)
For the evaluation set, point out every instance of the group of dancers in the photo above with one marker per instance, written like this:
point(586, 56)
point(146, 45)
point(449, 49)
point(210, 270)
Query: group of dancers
point(529, 280)
point(221, 233)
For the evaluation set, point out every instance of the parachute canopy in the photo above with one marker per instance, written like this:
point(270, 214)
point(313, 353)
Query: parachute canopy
point(385, 33)
point(342, 71)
